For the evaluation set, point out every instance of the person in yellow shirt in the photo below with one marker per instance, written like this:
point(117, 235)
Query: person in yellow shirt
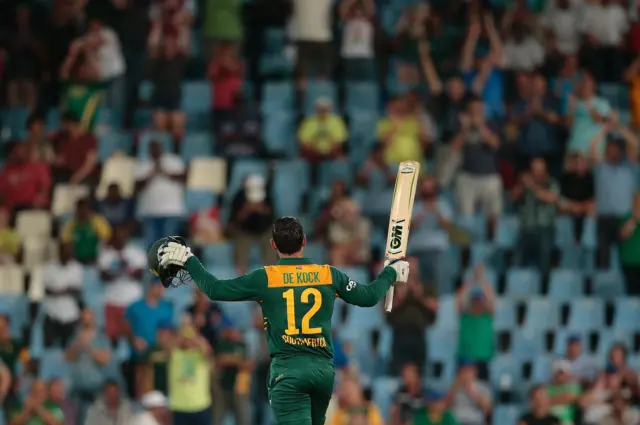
point(9, 240)
point(632, 77)
point(85, 231)
point(322, 136)
point(353, 409)
point(401, 133)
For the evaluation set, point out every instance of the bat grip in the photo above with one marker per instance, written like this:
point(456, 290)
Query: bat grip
point(388, 300)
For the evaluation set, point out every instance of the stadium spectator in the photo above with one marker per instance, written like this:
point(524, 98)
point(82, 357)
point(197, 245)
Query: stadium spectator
point(435, 411)
point(563, 392)
point(6, 380)
point(410, 396)
point(587, 113)
point(358, 35)
point(206, 227)
point(413, 311)
point(142, 319)
point(11, 349)
point(9, 239)
point(85, 231)
point(166, 72)
point(432, 220)
point(223, 21)
point(62, 280)
point(416, 107)
point(577, 191)
point(615, 183)
point(226, 73)
point(189, 377)
point(37, 140)
point(470, 399)
point(170, 24)
point(118, 210)
point(563, 28)
point(583, 368)
point(595, 401)
point(630, 247)
point(76, 153)
point(250, 221)
point(568, 79)
point(58, 395)
point(37, 408)
point(339, 191)
point(310, 30)
point(375, 172)
point(478, 180)
point(154, 365)
point(539, 409)
point(88, 356)
point(239, 131)
point(476, 304)
point(522, 51)
point(160, 188)
point(617, 358)
point(155, 411)
point(24, 184)
point(401, 133)
point(234, 371)
point(632, 77)
point(538, 195)
point(352, 406)
point(110, 408)
point(483, 75)
point(323, 134)
point(121, 265)
point(621, 412)
point(208, 317)
point(409, 30)
point(349, 236)
point(26, 64)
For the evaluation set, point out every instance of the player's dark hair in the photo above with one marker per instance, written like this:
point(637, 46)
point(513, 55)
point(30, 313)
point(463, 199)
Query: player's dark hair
point(288, 235)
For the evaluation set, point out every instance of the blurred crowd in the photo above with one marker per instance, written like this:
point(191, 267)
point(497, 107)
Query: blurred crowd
point(125, 121)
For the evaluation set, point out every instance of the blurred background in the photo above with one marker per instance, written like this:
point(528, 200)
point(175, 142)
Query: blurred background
point(127, 120)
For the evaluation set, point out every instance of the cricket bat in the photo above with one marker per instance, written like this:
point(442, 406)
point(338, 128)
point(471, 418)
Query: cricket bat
point(404, 194)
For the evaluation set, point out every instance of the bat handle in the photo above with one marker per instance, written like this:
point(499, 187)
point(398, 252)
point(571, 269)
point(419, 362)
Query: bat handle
point(388, 300)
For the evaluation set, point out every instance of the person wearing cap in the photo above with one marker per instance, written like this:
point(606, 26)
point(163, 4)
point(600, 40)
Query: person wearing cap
point(111, 407)
point(435, 411)
point(563, 392)
point(400, 132)
point(409, 396)
point(155, 411)
point(469, 398)
point(352, 407)
point(539, 409)
point(322, 135)
point(583, 367)
point(250, 221)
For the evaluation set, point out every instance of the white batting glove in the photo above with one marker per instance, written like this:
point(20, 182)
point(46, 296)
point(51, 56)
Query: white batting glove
point(174, 253)
point(402, 270)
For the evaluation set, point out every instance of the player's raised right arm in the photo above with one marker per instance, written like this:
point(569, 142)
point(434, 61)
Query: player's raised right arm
point(243, 288)
point(364, 295)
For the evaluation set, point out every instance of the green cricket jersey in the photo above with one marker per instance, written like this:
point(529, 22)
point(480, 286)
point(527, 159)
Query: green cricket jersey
point(297, 299)
point(82, 100)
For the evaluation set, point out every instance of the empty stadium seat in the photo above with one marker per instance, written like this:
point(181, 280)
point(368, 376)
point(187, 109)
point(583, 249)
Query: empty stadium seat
point(119, 170)
point(278, 133)
point(542, 314)
point(443, 344)
point(54, 365)
point(219, 254)
point(14, 305)
point(65, 197)
point(541, 369)
point(277, 96)
point(505, 372)
point(608, 284)
point(504, 316)
point(506, 414)
point(507, 231)
point(199, 200)
point(338, 170)
point(196, 97)
point(627, 314)
point(382, 390)
point(526, 344)
point(316, 251)
point(207, 174)
point(523, 282)
point(565, 284)
point(195, 145)
point(362, 130)
point(146, 137)
point(447, 316)
point(362, 97)
point(586, 315)
point(33, 224)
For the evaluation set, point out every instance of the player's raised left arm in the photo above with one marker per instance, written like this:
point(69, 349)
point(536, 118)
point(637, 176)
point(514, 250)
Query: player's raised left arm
point(368, 295)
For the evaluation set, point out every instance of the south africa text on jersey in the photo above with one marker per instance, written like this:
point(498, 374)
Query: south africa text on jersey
point(309, 342)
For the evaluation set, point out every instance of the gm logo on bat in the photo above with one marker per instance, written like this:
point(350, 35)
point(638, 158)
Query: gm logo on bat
point(397, 231)
point(407, 169)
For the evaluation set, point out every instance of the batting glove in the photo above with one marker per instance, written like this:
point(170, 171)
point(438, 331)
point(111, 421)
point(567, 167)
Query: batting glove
point(174, 254)
point(402, 269)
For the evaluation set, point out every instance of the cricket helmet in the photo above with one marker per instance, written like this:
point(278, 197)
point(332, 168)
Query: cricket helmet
point(170, 275)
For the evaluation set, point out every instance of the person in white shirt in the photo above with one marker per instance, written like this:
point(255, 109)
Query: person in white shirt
point(310, 29)
point(522, 52)
point(358, 35)
point(121, 267)
point(155, 411)
point(62, 282)
point(160, 187)
point(562, 23)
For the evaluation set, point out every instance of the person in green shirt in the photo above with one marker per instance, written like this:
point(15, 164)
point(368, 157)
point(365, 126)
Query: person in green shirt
point(155, 370)
point(629, 250)
point(297, 299)
point(563, 393)
point(37, 409)
point(476, 301)
point(85, 231)
point(435, 411)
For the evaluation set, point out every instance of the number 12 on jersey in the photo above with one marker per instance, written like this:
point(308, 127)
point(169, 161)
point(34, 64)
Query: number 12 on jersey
point(307, 296)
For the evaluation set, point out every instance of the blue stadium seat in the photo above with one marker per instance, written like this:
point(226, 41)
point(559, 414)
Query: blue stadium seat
point(277, 96)
point(320, 89)
point(586, 315)
point(331, 171)
point(589, 233)
point(541, 369)
point(506, 415)
point(240, 313)
point(564, 232)
point(316, 251)
point(447, 316)
point(52, 121)
point(145, 90)
point(609, 337)
point(359, 274)
point(507, 231)
point(196, 97)
point(274, 63)
point(15, 120)
point(565, 284)
point(275, 39)
point(562, 336)
point(523, 282)
point(180, 298)
point(296, 173)
point(487, 253)
point(526, 344)
point(93, 286)
point(443, 344)
point(53, 365)
point(383, 390)
point(542, 314)
point(220, 254)
point(362, 96)
point(490, 275)
point(241, 169)
point(153, 136)
point(279, 134)
point(196, 145)
point(17, 308)
point(505, 372)
point(362, 129)
point(627, 314)
point(110, 142)
point(608, 284)
point(361, 320)
point(142, 118)
point(199, 200)
point(504, 316)
point(476, 225)
point(109, 119)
